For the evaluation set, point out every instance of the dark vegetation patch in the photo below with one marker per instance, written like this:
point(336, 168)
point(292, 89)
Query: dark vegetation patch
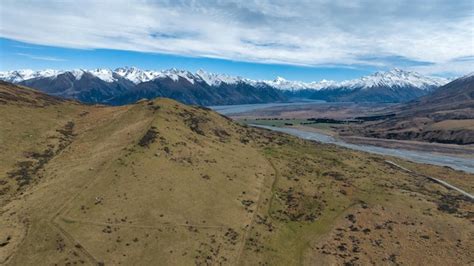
point(231, 236)
point(254, 244)
point(226, 118)
point(82, 114)
point(244, 140)
point(375, 117)
point(25, 171)
point(336, 175)
point(221, 134)
point(299, 167)
point(447, 207)
point(152, 106)
point(247, 204)
point(248, 134)
point(66, 134)
point(265, 221)
point(327, 120)
point(347, 244)
point(210, 251)
point(60, 244)
point(149, 137)
point(446, 202)
point(194, 121)
point(5, 241)
point(203, 107)
point(453, 205)
point(298, 206)
point(4, 187)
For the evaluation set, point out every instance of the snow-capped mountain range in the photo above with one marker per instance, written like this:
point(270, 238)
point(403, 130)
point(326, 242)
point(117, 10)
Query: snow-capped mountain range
point(132, 74)
point(104, 85)
point(393, 78)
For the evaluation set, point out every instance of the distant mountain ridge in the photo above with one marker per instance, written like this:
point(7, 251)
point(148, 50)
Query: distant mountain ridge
point(394, 78)
point(392, 86)
point(132, 74)
point(445, 116)
point(127, 84)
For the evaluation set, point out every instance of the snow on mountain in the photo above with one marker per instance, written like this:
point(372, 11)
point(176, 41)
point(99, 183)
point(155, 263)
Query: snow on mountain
point(25, 74)
point(213, 79)
point(470, 75)
point(176, 74)
point(136, 75)
point(103, 74)
point(77, 73)
point(392, 79)
point(133, 74)
point(283, 84)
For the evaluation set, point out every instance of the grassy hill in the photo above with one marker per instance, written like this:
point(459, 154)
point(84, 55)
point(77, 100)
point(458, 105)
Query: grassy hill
point(159, 182)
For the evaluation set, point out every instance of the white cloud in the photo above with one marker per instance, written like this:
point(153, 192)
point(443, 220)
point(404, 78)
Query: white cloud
point(303, 32)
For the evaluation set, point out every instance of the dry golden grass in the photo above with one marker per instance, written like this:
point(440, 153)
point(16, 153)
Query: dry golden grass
point(454, 124)
point(159, 182)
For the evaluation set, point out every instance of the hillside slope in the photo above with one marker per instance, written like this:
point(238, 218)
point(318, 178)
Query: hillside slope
point(445, 116)
point(452, 95)
point(159, 181)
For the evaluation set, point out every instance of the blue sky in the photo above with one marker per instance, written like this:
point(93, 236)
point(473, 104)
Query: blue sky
point(299, 40)
point(19, 55)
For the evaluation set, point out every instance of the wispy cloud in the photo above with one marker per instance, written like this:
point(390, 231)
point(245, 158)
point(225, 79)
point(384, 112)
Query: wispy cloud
point(38, 57)
point(300, 32)
point(450, 68)
point(27, 47)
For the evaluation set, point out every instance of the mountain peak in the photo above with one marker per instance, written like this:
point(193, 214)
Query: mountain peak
point(17, 76)
point(127, 69)
point(396, 78)
point(280, 79)
point(213, 79)
point(398, 70)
